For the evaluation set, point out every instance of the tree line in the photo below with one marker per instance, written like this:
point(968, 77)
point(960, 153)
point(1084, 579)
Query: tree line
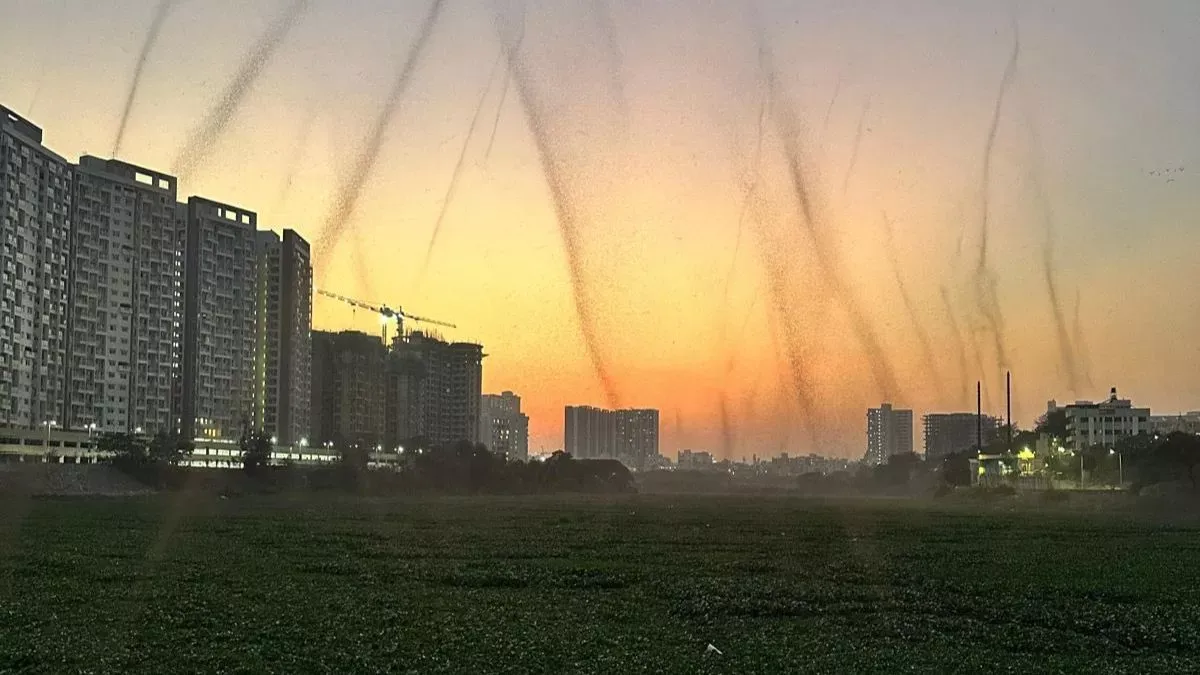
point(456, 468)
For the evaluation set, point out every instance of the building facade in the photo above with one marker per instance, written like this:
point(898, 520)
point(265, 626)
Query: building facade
point(889, 432)
point(630, 436)
point(283, 355)
point(949, 433)
point(689, 460)
point(435, 389)
point(503, 428)
point(348, 392)
point(1188, 423)
point(637, 437)
point(126, 299)
point(219, 326)
point(1103, 424)
point(35, 232)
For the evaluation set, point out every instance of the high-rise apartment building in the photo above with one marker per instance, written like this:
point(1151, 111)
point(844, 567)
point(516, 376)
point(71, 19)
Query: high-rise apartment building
point(503, 428)
point(889, 432)
point(125, 299)
point(283, 352)
point(637, 437)
point(630, 436)
point(434, 390)
point(950, 433)
point(590, 433)
point(35, 231)
point(219, 326)
point(349, 376)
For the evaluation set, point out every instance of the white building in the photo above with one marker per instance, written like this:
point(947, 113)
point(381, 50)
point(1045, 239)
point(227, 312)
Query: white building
point(125, 320)
point(1091, 424)
point(503, 428)
point(889, 432)
point(35, 229)
point(219, 320)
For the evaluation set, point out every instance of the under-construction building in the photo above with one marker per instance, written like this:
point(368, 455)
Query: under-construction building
point(348, 395)
point(434, 390)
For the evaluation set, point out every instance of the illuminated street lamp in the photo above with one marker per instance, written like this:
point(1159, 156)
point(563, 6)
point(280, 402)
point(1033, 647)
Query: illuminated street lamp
point(1120, 466)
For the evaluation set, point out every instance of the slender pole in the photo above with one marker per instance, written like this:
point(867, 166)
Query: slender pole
point(979, 416)
point(1008, 394)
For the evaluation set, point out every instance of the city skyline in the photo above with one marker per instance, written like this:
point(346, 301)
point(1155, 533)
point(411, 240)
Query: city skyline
point(658, 307)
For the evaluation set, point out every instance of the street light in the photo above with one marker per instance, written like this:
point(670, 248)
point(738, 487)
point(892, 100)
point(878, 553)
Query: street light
point(1120, 467)
point(49, 423)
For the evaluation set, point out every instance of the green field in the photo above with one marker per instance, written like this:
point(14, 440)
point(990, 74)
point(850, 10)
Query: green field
point(565, 585)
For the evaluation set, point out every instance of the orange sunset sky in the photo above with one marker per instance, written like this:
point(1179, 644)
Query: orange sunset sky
point(701, 300)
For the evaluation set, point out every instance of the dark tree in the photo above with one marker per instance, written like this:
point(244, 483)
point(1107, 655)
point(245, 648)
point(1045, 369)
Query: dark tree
point(125, 448)
point(1182, 451)
point(956, 469)
point(170, 448)
point(256, 450)
point(1053, 424)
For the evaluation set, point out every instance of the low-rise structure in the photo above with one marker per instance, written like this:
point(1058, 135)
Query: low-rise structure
point(1102, 424)
point(1188, 423)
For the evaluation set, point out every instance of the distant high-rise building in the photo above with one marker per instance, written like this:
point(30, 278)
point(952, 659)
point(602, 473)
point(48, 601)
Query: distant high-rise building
point(637, 437)
point(590, 433)
point(35, 232)
point(219, 320)
point(889, 432)
point(126, 299)
point(434, 390)
point(348, 393)
point(283, 336)
point(503, 428)
point(950, 433)
point(630, 436)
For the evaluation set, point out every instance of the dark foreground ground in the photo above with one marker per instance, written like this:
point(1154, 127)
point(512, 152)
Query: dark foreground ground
point(642, 584)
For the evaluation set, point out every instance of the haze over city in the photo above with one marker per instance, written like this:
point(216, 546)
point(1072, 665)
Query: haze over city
point(634, 234)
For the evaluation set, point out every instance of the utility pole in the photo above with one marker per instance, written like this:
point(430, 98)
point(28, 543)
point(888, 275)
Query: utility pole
point(1008, 395)
point(979, 416)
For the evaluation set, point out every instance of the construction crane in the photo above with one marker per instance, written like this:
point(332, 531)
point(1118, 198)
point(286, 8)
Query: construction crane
point(386, 314)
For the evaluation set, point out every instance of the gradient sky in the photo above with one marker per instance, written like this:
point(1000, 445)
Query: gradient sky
point(656, 127)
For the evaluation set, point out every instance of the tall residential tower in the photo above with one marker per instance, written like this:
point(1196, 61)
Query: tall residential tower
point(282, 333)
point(219, 327)
point(503, 428)
point(35, 231)
point(889, 432)
point(126, 283)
